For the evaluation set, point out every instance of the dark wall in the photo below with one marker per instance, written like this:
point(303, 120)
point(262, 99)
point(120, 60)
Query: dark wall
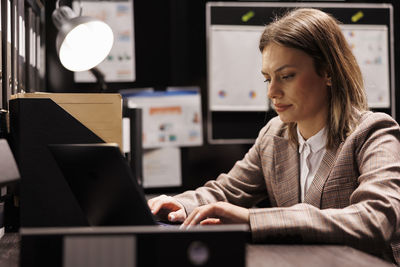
point(170, 50)
point(169, 46)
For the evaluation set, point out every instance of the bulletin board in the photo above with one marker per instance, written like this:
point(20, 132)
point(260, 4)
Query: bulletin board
point(237, 96)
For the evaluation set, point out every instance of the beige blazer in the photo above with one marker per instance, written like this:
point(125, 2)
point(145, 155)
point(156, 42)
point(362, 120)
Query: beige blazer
point(354, 198)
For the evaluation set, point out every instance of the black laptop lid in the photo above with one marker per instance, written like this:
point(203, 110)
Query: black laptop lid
point(103, 184)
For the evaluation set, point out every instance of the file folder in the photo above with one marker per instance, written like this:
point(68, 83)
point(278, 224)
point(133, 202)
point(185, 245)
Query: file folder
point(37, 120)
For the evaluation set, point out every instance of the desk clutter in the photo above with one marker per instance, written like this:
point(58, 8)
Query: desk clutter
point(55, 226)
point(170, 120)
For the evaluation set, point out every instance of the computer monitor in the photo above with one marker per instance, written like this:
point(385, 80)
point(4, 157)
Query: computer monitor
point(238, 107)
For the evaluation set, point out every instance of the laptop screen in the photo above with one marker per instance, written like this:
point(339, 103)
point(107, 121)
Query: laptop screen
point(102, 183)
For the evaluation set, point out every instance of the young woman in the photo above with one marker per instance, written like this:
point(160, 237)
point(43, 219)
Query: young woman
point(329, 167)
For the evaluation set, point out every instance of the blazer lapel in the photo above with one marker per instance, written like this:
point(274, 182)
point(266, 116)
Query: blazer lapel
point(286, 178)
point(314, 192)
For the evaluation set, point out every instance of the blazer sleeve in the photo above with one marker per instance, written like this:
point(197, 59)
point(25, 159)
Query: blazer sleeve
point(372, 218)
point(243, 185)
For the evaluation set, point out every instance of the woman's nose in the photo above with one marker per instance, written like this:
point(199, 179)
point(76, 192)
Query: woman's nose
point(274, 91)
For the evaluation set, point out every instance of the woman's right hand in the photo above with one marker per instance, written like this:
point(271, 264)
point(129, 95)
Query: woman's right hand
point(166, 206)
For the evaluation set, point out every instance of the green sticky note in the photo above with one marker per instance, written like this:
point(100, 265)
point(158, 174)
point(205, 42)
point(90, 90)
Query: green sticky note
point(246, 17)
point(356, 17)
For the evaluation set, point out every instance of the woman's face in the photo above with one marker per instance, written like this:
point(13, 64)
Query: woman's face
point(297, 92)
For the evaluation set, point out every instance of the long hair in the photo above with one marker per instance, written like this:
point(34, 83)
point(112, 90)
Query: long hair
point(319, 35)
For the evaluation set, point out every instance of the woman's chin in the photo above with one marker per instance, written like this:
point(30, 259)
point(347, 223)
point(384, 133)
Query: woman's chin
point(284, 118)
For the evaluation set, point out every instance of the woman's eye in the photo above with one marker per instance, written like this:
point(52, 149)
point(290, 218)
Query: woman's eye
point(267, 80)
point(287, 77)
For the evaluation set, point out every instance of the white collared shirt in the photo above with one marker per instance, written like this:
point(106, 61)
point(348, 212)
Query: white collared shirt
point(311, 154)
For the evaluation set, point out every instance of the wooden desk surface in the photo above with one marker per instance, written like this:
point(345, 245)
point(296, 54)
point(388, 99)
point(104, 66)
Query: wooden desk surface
point(257, 255)
point(310, 256)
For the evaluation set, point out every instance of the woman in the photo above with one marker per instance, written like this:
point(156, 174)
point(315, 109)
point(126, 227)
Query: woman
point(329, 167)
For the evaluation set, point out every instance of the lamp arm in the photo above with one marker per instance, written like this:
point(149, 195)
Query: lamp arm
point(80, 6)
point(100, 78)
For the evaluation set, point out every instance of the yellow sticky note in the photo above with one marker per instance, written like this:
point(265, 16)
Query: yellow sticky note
point(356, 17)
point(246, 17)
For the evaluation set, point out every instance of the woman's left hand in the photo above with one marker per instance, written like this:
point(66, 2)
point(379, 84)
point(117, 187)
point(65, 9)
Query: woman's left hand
point(217, 213)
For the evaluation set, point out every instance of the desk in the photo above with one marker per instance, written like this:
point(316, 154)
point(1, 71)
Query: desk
point(309, 255)
point(256, 255)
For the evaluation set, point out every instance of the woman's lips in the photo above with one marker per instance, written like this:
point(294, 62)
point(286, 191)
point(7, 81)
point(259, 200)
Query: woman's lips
point(281, 107)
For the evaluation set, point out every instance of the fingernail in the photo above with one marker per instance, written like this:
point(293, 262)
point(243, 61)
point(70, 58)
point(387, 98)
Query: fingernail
point(152, 211)
point(188, 227)
point(182, 226)
point(172, 218)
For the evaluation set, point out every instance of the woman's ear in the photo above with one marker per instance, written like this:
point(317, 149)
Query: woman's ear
point(328, 79)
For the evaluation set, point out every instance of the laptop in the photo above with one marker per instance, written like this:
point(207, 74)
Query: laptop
point(103, 184)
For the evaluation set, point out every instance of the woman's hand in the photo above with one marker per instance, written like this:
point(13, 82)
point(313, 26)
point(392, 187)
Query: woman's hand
point(166, 206)
point(217, 213)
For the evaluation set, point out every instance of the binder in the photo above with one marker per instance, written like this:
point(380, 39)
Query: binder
point(36, 47)
point(30, 49)
point(37, 120)
point(21, 47)
point(6, 51)
point(1, 62)
point(40, 46)
point(14, 46)
point(42, 51)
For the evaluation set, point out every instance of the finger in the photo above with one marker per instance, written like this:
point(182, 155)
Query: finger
point(177, 216)
point(211, 221)
point(201, 214)
point(188, 219)
point(151, 201)
point(167, 204)
point(158, 204)
point(191, 216)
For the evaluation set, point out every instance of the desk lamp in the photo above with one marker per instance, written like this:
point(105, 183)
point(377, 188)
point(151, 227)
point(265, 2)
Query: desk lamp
point(82, 42)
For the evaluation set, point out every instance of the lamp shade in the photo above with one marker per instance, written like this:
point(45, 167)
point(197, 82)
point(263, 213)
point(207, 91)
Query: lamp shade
point(82, 42)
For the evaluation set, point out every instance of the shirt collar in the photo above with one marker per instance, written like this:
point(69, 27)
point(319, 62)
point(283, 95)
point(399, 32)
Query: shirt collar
point(315, 142)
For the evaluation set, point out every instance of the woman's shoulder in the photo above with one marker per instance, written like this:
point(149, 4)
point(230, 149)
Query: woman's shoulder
point(374, 122)
point(275, 127)
point(370, 119)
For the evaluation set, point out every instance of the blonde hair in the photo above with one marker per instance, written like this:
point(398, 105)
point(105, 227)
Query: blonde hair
point(319, 35)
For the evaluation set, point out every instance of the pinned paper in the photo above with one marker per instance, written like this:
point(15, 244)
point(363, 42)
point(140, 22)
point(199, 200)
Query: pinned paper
point(119, 65)
point(162, 167)
point(369, 44)
point(235, 81)
point(170, 118)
